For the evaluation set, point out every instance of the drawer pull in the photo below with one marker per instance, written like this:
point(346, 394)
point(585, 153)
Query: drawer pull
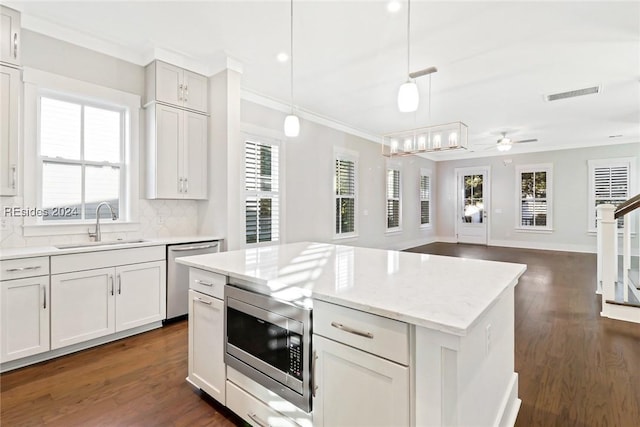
point(257, 420)
point(194, 248)
point(200, 282)
point(35, 267)
point(202, 301)
point(351, 330)
point(44, 305)
point(314, 387)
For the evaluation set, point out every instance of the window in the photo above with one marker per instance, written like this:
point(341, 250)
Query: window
point(425, 198)
point(393, 199)
point(609, 182)
point(262, 192)
point(81, 153)
point(345, 192)
point(534, 197)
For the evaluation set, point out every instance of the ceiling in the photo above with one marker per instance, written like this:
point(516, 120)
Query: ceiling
point(495, 60)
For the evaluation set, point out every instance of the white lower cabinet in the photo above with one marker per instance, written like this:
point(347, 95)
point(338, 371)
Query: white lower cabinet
point(94, 303)
point(206, 344)
point(254, 411)
point(24, 326)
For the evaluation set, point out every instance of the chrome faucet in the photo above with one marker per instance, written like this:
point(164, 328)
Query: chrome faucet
point(97, 234)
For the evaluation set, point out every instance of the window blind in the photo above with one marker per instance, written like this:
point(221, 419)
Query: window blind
point(610, 185)
point(425, 199)
point(345, 185)
point(262, 186)
point(393, 198)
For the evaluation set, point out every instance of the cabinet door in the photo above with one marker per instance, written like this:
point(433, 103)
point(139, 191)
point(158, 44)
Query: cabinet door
point(82, 306)
point(169, 86)
point(195, 156)
point(9, 36)
point(355, 388)
point(25, 317)
point(195, 91)
point(169, 134)
point(206, 349)
point(9, 129)
point(140, 294)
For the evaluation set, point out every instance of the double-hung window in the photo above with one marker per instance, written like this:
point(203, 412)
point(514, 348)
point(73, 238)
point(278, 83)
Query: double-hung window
point(534, 198)
point(393, 199)
point(262, 191)
point(81, 158)
point(609, 182)
point(345, 194)
point(425, 198)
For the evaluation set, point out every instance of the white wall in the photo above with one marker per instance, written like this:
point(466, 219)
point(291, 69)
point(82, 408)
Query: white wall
point(570, 197)
point(309, 204)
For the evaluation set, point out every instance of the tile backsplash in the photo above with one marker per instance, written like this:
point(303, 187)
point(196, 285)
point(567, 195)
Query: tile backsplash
point(157, 218)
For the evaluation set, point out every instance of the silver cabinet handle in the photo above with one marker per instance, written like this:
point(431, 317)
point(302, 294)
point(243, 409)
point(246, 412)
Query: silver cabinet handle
point(202, 301)
point(257, 420)
point(314, 387)
point(181, 95)
point(186, 185)
point(111, 280)
point(194, 248)
point(203, 283)
point(13, 176)
point(44, 305)
point(180, 185)
point(119, 285)
point(15, 45)
point(351, 330)
point(185, 94)
point(35, 267)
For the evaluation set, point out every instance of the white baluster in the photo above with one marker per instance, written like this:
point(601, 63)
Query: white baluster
point(626, 255)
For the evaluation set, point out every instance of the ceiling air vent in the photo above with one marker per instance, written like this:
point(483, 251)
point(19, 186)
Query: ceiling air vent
point(573, 93)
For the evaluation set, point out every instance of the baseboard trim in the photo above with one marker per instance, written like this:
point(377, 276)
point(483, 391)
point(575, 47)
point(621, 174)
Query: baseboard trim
point(545, 246)
point(413, 243)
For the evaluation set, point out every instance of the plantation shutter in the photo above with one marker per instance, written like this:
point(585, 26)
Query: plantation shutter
point(424, 199)
point(611, 185)
point(261, 203)
point(345, 196)
point(393, 198)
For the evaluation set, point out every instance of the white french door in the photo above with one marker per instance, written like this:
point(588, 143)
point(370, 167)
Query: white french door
point(472, 205)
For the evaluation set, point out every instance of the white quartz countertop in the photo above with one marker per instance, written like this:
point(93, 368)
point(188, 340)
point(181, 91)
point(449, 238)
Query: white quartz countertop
point(443, 293)
point(34, 251)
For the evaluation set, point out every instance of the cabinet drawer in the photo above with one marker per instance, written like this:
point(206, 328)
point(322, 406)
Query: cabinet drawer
point(374, 334)
point(106, 258)
point(254, 411)
point(208, 283)
point(24, 267)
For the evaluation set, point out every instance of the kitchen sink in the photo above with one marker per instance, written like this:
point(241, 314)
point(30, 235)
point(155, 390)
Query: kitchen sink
point(98, 244)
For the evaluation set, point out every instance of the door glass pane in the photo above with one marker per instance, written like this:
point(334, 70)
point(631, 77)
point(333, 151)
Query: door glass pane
point(473, 211)
point(102, 135)
point(102, 184)
point(61, 191)
point(60, 129)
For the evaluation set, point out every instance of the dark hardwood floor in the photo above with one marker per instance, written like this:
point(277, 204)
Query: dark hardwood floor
point(576, 368)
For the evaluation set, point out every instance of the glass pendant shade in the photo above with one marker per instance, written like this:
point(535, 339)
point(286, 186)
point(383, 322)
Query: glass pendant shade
point(408, 97)
point(291, 126)
point(504, 147)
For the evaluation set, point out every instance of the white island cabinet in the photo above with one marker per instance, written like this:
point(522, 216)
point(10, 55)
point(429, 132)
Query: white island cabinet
point(398, 338)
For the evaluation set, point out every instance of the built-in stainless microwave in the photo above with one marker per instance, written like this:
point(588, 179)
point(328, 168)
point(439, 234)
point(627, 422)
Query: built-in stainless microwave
point(269, 341)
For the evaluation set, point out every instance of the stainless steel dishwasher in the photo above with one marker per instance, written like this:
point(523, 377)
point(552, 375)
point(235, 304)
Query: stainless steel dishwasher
point(178, 275)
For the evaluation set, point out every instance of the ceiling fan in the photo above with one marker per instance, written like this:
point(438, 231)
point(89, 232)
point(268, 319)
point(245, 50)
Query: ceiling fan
point(504, 143)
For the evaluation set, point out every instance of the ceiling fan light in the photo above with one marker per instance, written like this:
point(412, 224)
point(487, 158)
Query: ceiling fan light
point(504, 146)
point(291, 126)
point(408, 97)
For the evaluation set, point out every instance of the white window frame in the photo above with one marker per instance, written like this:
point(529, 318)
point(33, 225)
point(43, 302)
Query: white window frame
point(263, 140)
point(121, 164)
point(630, 163)
point(36, 83)
point(352, 156)
point(425, 173)
point(396, 167)
point(543, 167)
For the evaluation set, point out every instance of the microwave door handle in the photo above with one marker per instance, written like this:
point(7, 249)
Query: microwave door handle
point(257, 420)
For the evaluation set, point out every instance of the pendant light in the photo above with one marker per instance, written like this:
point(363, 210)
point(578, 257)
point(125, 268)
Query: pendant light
point(291, 122)
point(408, 97)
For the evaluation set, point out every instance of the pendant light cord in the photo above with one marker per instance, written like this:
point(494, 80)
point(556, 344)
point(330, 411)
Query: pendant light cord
point(291, 49)
point(408, 38)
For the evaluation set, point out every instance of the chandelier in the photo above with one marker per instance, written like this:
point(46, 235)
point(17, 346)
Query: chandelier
point(449, 136)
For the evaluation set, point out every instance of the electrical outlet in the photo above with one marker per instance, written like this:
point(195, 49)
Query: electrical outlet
point(3, 224)
point(160, 220)
point(488, 338)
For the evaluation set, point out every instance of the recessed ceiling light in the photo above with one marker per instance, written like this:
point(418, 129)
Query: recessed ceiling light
point(393, 6)
point(283, 57)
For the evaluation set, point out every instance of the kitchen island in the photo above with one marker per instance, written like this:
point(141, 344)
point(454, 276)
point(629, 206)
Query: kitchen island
point(398, 338)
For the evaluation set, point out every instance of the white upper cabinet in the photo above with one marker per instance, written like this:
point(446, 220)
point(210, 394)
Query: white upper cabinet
point(173, 85)
point(9, 129)
point(10, 36)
